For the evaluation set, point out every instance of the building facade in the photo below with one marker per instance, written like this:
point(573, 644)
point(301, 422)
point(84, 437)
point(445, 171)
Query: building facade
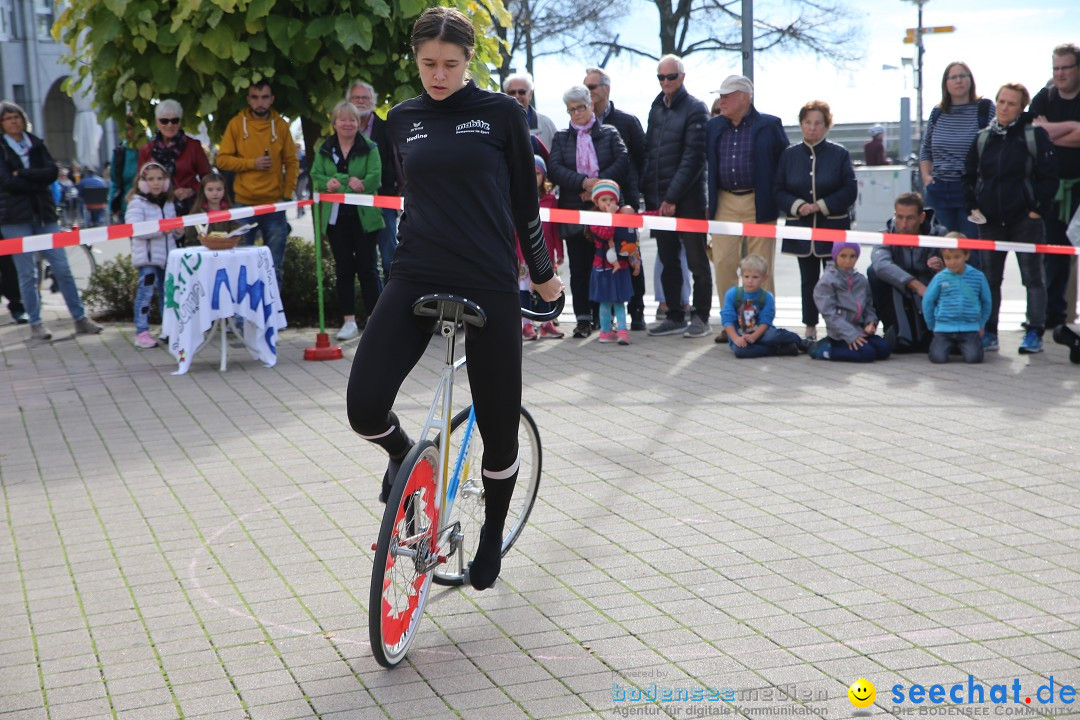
point(32, 71)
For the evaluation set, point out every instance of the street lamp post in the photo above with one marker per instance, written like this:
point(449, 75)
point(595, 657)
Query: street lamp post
point(748, 39)
point(919, 65)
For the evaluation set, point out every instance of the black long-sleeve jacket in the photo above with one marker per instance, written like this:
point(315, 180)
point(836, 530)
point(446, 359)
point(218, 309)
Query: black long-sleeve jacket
point(675, 155)
point(1000, 184)
point(468, 185)
point(822, 174)
point(24, 192)
point(611, 156)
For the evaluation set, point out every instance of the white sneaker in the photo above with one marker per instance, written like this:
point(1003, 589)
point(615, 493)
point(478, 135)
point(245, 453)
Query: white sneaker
point(348, 331)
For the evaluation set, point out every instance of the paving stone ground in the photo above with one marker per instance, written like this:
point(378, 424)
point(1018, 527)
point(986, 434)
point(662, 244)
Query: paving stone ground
point(199, 546)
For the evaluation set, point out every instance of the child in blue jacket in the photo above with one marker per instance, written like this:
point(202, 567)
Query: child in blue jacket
point(956, 307)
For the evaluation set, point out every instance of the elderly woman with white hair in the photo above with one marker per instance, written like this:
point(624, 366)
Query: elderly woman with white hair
point(182, 156)
point(580, 156)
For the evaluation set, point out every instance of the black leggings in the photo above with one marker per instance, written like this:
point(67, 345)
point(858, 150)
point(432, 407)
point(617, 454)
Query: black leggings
point(394, 342)
point(354, 258)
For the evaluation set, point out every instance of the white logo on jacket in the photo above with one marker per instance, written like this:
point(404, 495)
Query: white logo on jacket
point(417, 132)
point(473, 126)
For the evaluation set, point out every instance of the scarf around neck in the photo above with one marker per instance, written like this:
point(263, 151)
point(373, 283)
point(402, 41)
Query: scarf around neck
point(21, 148)
point(999, 129)
point(167, 153)
point(587, 164)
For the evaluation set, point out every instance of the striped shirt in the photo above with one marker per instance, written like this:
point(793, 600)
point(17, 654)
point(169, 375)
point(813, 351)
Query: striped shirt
point(947, 140)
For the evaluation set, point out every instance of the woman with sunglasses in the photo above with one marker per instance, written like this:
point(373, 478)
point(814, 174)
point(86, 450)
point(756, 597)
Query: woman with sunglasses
point(183, 158)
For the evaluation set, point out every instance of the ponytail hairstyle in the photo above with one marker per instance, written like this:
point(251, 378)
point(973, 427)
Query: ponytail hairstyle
point(140, 186)
point(200, 198)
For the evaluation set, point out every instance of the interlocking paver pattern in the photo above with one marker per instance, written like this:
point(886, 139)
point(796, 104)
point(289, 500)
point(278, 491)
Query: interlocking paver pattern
point(199, 546)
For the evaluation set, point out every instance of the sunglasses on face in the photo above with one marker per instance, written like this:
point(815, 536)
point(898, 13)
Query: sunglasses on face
point(169, 121)
point(669, 76)
point(592, 86)
point(517, 92)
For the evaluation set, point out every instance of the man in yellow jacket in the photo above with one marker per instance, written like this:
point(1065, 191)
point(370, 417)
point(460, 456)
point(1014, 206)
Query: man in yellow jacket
point(259, 149)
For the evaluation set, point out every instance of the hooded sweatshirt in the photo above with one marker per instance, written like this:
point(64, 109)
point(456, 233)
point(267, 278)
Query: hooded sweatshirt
point(843, 299)
point(957, 303)
point(247, 138)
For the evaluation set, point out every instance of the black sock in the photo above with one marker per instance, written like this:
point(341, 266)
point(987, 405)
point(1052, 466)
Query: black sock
point(397, 445)
point(487, 561)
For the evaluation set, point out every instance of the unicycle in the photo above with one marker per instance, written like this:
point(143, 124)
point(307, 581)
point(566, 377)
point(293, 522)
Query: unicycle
point(436, 504)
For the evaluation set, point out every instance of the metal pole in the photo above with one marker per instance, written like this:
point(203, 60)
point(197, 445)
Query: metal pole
point(919, 76)
point(905, 130)
point(318, 263)
point(748, 39)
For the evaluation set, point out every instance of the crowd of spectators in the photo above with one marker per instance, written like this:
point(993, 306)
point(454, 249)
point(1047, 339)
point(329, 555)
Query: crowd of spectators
point(992, 168)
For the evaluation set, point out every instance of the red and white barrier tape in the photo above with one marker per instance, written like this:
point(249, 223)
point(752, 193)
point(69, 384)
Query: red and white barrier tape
point(91, 236)
point(719, 227)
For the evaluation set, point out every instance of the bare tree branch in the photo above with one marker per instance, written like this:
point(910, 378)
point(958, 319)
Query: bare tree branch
point(557, 27)
point(827, 28)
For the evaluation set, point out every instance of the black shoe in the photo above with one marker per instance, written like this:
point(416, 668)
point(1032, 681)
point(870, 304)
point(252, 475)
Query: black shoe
point(392, 468)
point(790, 349)
point(583, 329)
point(890, 337)
point(1064, 336)
point(637, 322)
point(486, 564)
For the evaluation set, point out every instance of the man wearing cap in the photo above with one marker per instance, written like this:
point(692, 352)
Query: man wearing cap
point(674, 184)
point(599, 84)
point(874, 151)
point(743, 148)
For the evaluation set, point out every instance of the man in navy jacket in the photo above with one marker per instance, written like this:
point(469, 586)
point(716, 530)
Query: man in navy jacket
point(742, 148)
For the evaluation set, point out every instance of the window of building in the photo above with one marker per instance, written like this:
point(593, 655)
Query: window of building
point(7, 20)
point(44, 16)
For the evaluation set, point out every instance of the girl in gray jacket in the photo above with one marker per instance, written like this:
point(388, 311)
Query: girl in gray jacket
point(843, 298)
point(150, 200)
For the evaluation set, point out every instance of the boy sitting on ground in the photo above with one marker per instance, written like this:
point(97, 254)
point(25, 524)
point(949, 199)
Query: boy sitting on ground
point(749, 312)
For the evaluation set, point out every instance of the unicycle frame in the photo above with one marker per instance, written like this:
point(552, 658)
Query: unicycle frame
point(413, 532)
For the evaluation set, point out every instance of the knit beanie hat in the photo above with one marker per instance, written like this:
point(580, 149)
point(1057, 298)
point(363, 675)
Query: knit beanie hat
point(605, 187)
point(838, 246)
point(540, 165)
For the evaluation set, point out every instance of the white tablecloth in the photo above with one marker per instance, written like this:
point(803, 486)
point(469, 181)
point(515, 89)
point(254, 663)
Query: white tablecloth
point(204, 285)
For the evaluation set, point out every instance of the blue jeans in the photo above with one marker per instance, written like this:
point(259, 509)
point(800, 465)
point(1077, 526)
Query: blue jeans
point(969, 343)
point(946, 198)
point(876, 348)
point(151, 282)
point(387, 243)
point(767, 344)
point(27, 271)
point(275, 231)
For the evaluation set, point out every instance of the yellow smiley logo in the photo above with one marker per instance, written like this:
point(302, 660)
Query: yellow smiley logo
point(862, 693)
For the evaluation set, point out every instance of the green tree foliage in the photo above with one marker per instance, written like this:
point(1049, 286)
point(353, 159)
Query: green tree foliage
point(205, 53)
